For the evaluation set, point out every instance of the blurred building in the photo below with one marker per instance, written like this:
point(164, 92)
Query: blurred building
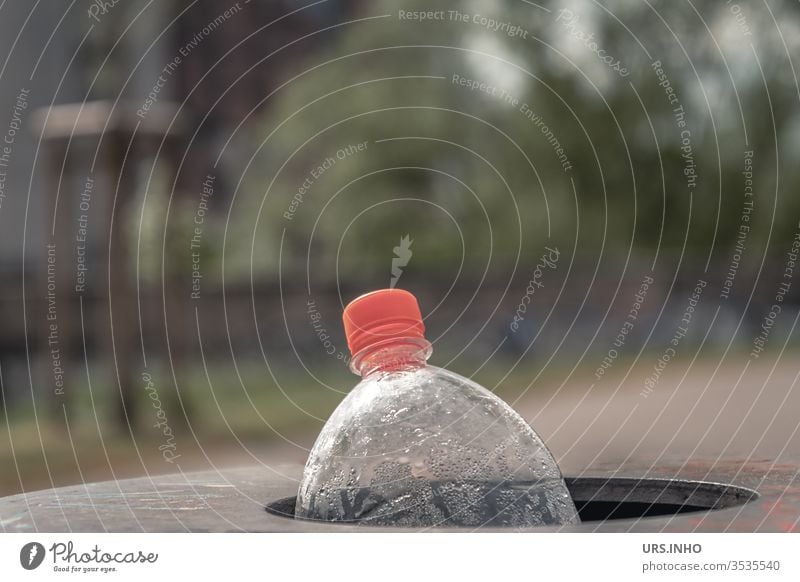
point(104, 70)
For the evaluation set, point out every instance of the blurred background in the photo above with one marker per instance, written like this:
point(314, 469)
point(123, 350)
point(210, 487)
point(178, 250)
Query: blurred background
point(596, 203)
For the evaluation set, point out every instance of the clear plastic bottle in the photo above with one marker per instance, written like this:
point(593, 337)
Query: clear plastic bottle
point(414, 445)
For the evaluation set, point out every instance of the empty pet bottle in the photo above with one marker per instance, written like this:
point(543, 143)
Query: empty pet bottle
point(418, 446)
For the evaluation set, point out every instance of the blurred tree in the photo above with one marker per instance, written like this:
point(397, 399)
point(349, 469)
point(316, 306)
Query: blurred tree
point(486, 170)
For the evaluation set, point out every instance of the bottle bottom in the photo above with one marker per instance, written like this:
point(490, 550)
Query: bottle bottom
point(424, 503)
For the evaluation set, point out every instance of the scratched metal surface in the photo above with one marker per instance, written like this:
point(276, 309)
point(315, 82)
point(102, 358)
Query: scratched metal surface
point(234, 500)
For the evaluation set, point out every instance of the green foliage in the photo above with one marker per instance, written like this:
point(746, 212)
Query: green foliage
point(471, 178)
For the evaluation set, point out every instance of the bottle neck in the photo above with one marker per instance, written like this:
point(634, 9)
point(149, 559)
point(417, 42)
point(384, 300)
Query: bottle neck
point(396, 354)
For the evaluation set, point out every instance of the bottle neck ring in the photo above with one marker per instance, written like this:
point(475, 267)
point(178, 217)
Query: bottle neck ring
point(391, 355)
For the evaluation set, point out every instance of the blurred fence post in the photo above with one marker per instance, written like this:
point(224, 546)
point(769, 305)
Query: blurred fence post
point(122, 140)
